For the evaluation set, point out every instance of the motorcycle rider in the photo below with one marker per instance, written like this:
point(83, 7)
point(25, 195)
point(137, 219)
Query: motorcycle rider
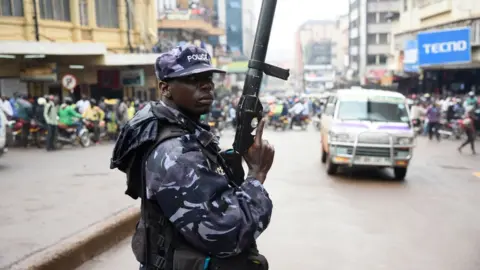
point(296, 111)
point(94, 114)
point(471, 101)
point(206, 222)
point(69, 116)
point(433, 116)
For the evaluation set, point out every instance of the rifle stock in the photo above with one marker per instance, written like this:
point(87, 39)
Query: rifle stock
point(250, 109)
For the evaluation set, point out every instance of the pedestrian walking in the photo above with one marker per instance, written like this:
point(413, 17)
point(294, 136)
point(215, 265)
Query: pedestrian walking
point(50, 113)
point(469, 127)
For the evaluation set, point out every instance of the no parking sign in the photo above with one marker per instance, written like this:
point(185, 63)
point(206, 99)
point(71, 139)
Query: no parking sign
point(69, 82)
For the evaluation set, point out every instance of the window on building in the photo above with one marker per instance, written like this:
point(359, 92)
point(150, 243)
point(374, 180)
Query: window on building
point(235, 4)
point(83, 10)
point(383, 38)
point(371, 17)
point(11, 8)
point(382, 59)
point(371, 39)
point(106, 13)
point(383, 17)
point(371, 59)
point(58, 10)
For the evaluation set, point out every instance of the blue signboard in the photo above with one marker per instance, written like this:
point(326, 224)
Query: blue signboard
point(449, 46)
point(410, 56)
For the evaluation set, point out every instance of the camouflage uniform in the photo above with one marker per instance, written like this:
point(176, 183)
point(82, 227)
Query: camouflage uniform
point(196, 197)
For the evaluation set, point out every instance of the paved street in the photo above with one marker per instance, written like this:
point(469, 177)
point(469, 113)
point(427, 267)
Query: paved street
point(363, 221)
point(46, 197)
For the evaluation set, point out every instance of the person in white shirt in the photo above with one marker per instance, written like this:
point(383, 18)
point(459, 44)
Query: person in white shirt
point(297, 111)
point(83, 104)
point(6, 107)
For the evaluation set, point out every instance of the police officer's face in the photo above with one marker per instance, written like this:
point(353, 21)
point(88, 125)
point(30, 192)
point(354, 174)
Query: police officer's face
point(193, 94)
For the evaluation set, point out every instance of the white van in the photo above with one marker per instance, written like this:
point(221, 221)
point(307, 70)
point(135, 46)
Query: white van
point(3, 133)
point(362, 127)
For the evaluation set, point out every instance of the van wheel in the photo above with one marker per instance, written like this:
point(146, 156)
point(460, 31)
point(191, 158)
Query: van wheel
point(400, 173)
point(324, 156)
point(331, 167)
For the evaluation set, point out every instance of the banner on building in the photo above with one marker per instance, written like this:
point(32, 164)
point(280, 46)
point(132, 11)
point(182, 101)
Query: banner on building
point(39, 72)
point(410, 56)
point(443, 47)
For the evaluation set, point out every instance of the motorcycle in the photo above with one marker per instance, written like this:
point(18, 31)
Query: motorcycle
point(301, 121)
point(280, 122)
point(417, 126)
point(38, 133)
point(69, 135)
point(214, 128)
point(90, 125)
point(452, 129)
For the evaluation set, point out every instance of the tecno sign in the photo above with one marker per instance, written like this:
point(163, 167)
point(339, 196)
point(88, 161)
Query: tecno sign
point(443, 47)
point(446, 47)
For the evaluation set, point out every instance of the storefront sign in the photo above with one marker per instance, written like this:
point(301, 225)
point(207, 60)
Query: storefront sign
point(450, 46)
point(39, 73)
point(132, 77)
point(410, 56)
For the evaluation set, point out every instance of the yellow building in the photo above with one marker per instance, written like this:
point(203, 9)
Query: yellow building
point(43, 40)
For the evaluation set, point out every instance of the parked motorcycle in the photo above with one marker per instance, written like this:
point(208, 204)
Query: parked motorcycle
point(69, 135)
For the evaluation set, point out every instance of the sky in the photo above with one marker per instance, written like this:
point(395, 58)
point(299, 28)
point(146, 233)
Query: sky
point(289, 15)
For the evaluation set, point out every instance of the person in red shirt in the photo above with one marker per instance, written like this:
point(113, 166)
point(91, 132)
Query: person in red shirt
point(469, 126)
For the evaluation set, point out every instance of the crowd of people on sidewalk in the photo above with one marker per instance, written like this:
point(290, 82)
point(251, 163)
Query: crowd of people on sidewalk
point(51, 114)
point(435, 112)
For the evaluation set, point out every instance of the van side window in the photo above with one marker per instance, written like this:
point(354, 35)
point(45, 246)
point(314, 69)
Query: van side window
point(330, 107)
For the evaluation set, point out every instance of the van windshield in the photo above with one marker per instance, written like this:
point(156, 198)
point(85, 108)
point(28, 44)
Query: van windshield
point(368, 110)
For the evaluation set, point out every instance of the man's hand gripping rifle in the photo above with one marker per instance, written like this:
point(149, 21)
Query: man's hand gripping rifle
point(250, 109)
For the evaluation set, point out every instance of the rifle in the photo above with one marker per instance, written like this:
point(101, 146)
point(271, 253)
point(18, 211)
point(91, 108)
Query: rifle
point(250, 109)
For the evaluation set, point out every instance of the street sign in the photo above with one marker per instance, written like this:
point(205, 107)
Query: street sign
point(69, 82)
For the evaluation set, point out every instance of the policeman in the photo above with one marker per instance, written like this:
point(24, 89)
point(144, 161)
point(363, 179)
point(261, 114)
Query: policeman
point(194, 217)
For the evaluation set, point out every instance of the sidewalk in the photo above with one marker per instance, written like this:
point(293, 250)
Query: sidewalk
point(47, 197)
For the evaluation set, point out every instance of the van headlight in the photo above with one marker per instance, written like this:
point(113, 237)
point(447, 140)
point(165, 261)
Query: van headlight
point(404, 141)
point(339, 137)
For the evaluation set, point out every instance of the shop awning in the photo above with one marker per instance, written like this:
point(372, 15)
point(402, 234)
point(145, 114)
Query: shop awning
point(129, 59)
point(51, 48)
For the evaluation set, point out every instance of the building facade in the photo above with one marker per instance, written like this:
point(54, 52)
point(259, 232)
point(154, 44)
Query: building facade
point(91, 40)
point(439, 42)
point(341, 49)
point(316, 55)
point(369, 38)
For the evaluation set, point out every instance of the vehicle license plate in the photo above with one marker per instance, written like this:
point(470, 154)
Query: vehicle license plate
point(372, 161)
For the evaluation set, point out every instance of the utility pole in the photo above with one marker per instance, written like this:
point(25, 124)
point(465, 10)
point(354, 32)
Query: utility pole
point(35, 21)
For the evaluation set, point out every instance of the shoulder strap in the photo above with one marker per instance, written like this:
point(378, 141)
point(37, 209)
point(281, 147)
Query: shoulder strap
point(167, 132)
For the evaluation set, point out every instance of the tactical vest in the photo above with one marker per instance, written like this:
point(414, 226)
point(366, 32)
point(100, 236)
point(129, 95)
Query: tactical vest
point(157, 245)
